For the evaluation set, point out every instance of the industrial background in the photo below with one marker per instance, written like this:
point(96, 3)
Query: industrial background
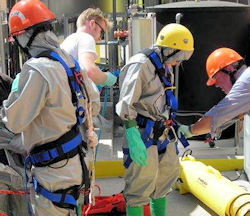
point(214, 24)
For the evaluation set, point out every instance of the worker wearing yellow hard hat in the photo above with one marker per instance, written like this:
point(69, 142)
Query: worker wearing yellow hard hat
point(148, 107)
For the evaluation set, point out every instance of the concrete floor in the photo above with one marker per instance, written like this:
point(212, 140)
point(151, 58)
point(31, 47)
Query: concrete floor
point(178, 205)
point(110, 148)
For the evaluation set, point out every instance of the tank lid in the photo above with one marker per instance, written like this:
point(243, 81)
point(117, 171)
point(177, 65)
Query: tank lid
point(197, 4)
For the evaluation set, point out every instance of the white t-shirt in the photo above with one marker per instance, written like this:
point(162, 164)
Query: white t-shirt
point(76, 44)
point(79, 43)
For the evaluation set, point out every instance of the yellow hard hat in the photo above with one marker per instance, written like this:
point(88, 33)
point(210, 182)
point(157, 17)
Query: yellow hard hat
point(176, 36)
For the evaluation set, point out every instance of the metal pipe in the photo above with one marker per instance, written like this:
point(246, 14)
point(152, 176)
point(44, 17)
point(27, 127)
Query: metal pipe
point(178, 17)
point(2, 63)
point(113, 53)
point(177, 67)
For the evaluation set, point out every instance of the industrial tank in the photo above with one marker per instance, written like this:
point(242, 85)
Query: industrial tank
point(214, 24)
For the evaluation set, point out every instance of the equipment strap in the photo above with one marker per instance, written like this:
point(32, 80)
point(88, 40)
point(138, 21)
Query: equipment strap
point(74, 75)
point(155, 129)
point(65, 147)
point(64, 199)
point(58, 150)
point(165, 79)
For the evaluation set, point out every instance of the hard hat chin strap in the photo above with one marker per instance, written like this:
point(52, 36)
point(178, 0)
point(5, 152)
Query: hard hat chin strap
point(41, 27)
point(169, 55)
point(233, 72)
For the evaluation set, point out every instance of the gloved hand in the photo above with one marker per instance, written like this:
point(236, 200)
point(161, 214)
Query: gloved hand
point(137, 148)
point(111, 80)
point(92, 138)
point(185, 130)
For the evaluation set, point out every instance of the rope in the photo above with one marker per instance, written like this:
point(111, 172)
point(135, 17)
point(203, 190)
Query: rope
point(10, 192)
point(2, 214)
point(86, 212)
point(91, 128)
point(88, 105)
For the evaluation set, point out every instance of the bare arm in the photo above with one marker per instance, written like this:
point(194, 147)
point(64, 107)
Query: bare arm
point(202, 126)
point(87, 61)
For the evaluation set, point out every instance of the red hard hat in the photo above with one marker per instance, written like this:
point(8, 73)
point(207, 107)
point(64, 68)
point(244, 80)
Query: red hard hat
point(27, 13)
point(219, 59)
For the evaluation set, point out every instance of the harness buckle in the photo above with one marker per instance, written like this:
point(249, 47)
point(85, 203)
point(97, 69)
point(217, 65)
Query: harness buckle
point(79, 77)
point(175, 135)
point(169, 123)
point(38, 157)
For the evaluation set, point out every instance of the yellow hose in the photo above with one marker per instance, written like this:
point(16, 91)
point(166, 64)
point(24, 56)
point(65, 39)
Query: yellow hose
point(240, 206)
point(217, 192)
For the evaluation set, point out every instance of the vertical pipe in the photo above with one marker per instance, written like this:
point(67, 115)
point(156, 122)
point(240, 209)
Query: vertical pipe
point(65, 26)
point(2, 64)
point(237, 135)
point(176, 93)
point(113, 55)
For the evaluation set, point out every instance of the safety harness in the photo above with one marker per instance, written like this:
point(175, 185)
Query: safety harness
point(65, 147)
point(153, 130)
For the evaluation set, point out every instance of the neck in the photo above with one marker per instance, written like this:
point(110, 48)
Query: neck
point(84, 29)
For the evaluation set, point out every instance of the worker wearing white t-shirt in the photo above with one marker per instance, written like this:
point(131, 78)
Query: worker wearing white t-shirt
point(91, 26)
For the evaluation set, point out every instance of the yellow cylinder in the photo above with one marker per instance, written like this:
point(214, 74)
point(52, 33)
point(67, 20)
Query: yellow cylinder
point(217, 192)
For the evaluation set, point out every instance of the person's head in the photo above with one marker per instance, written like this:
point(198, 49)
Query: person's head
point(28, 18)
point(222, 66)
point(92, 21)
point(176, 43)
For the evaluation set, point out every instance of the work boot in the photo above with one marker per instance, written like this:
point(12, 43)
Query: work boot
point(158, 207)
point(134, 211)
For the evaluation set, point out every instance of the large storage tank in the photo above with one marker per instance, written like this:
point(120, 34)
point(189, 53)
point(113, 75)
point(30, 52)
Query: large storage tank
point(214, 24)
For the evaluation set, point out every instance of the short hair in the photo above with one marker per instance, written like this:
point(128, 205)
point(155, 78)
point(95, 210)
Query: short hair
point(92, 14)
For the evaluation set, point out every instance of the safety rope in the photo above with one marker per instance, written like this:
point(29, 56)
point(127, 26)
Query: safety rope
point(88, 106)
point(94, 155)
point(95, 149)
point(86, 212)
point(10, 192)
point(2, 214)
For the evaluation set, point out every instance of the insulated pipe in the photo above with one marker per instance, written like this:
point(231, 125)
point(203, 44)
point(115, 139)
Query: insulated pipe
point(178, 17)
point(209, 186)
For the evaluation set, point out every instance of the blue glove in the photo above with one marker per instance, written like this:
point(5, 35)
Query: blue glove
point(137, 148)
point(116, 73)
point(110, 80)
point(185, 130)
